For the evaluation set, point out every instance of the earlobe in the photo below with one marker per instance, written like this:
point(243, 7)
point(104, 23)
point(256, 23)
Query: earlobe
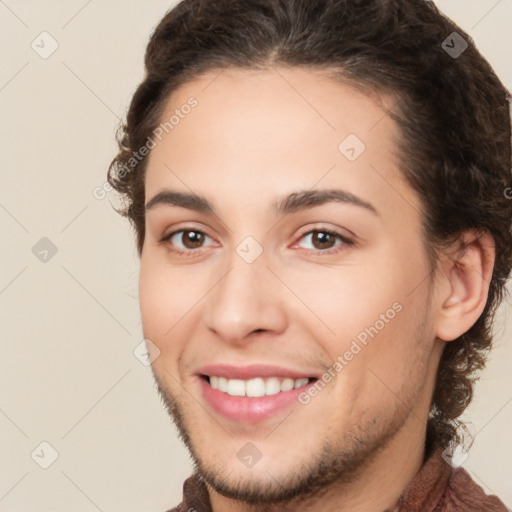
point(467, 274)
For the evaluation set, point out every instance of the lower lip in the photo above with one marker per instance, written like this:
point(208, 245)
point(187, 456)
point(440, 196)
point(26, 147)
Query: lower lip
point(244, 409)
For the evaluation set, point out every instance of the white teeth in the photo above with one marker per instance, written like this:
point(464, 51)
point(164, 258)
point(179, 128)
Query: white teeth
point(236, 387)
point(272, 386)
point(256, 387)
point(300, 382)
point(287, 385)
point(222, 384)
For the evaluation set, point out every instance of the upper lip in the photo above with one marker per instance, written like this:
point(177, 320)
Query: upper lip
point(252, 371)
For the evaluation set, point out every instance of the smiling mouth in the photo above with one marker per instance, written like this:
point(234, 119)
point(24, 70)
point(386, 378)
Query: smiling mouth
point(256, 387)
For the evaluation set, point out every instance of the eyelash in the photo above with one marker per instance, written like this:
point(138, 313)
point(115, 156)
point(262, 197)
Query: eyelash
point(190, 252)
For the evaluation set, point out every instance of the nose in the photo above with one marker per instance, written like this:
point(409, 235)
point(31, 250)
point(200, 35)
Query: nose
point(248, 299)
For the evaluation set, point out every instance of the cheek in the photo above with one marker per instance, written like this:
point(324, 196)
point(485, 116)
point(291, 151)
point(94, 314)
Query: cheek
point(352, 296)
point(163, 300)
point(370, 315)
point(387, 356)
point(348, 301)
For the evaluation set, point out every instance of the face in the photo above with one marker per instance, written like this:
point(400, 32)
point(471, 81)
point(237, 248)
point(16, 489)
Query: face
point(288, 306)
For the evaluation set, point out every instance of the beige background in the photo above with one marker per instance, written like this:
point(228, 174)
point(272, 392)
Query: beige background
point(68, 327)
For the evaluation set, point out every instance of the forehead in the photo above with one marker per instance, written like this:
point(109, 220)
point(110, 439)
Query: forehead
point(249, 129)
point(304, 101)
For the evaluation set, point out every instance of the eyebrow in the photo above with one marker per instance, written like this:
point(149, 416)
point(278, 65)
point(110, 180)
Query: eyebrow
point(294, 202)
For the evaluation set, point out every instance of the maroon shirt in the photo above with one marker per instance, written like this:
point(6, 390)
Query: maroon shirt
point(436, 488)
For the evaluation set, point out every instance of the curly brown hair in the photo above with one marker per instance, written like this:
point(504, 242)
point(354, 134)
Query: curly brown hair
point(451, 109)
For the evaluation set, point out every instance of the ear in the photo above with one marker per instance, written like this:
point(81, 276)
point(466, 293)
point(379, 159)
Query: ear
point(465, 274)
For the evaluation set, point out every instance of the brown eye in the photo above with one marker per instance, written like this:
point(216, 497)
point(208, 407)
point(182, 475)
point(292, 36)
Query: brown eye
point(321, 240)
point(192, 239)
point(185, 240)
